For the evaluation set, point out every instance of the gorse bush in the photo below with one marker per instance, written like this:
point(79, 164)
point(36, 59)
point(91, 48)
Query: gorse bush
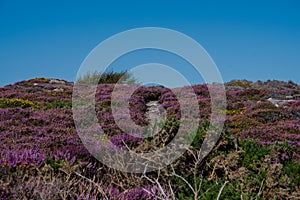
point(231, 112)
point(234, 112)
point(239, 83)
point(39, 80)
point(15, 102)
point(105, 78)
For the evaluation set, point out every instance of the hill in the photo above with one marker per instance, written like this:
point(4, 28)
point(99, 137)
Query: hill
point(257, 155)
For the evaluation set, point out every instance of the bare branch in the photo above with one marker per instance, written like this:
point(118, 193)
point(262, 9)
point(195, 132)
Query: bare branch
point(183, 179)
point(260, 188)
point(221, 189)
point(91, 181)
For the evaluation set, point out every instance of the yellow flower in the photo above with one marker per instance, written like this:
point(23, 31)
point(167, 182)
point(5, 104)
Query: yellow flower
point(15, 102)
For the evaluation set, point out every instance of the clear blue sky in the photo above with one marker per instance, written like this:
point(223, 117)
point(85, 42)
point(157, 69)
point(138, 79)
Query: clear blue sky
point(254, 40)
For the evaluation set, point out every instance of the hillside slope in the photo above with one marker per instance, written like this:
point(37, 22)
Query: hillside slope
point(258, 153)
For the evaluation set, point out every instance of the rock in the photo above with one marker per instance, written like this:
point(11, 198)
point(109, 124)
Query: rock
point(296, 97)
point(156, 115)
point(279, 102)
point(58, 90)
point(56, 81)
point(234, 88)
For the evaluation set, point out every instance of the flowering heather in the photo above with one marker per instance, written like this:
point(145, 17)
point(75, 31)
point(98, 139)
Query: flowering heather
point(42, 155)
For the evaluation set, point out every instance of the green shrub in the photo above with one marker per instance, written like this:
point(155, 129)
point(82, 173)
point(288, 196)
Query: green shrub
point(58, 104)
point(292, 170)
point(253, 153)
point(53, 163)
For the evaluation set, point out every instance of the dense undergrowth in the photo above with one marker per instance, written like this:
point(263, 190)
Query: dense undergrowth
point(42, 157)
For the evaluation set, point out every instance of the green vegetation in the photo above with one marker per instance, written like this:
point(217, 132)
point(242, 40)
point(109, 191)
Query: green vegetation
point(106, 78)
point(252, 153)
point(54, 163)
point(43, 157)
point(58, 104)
point(292, 170)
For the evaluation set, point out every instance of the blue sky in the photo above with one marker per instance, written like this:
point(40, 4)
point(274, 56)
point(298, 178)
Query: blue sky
point(254, 40)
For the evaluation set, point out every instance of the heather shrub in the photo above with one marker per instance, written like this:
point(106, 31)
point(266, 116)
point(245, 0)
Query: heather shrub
point(42, 156)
